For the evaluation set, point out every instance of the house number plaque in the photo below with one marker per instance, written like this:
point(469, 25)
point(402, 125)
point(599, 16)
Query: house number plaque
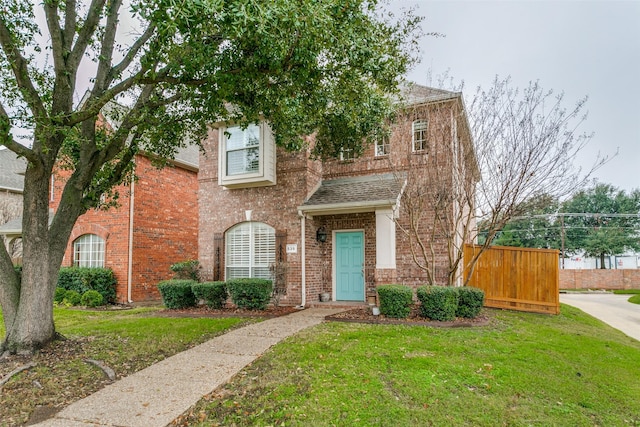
point(292, 248)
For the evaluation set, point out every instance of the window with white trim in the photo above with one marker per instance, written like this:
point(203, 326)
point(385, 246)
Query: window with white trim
point(383, 147)
point(247, 156)
point(250, 250)
point(88, 251)
point(346, 154)
point(420, 129)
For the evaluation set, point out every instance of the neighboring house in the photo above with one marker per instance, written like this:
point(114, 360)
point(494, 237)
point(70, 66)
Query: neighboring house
point(12, 170)
point(330, 226)
point(153, 226)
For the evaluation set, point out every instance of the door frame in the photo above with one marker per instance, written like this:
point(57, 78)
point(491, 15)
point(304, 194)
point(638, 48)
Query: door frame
point(334, 283)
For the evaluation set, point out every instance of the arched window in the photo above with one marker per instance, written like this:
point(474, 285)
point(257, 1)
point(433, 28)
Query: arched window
point(420, 129)
point(88, 251)
point(250, 250)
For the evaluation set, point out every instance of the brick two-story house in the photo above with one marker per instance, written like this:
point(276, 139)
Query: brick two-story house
point(334, 225)
point(153, 226)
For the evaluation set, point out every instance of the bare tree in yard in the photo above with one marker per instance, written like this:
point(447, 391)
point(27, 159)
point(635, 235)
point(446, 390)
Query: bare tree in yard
point(438, 198)
point(306, 67)
point(524, 144)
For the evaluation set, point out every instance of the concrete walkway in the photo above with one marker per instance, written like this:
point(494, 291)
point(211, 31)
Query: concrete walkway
point(158, 394)
point(612, 309)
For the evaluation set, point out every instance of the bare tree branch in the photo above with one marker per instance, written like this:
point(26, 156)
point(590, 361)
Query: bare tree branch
point(131, 55)
point(86, 33)
point(106, 51)
point(57, 38)
point(19, 66)
point(9, 142)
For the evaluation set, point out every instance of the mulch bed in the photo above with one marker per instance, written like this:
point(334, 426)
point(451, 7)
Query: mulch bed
point(364, 315)
point(229, 311)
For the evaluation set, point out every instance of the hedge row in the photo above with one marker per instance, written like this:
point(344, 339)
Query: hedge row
point(252, 294)
point(81, 280)
point(442, 303)
point(89, 298)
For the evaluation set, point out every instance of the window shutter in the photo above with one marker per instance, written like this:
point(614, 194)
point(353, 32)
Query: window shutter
point(218, 248)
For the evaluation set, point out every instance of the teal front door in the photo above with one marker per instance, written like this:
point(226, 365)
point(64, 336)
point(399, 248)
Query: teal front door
point(350, 266)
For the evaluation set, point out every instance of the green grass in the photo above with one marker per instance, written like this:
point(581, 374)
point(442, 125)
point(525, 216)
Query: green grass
point(634, 299)
point(523, 369)
point(626, 291)
point(125, 340)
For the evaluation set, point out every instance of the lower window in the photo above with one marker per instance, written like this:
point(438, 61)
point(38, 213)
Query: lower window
point(250, 250)
point(88, 251)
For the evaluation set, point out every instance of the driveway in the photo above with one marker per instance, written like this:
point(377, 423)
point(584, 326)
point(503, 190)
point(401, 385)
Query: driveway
point(612, 309)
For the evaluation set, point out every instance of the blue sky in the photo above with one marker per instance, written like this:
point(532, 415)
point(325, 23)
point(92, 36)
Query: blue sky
point(580, 48)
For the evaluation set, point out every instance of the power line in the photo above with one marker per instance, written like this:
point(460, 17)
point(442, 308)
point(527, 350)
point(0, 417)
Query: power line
point(579, 214)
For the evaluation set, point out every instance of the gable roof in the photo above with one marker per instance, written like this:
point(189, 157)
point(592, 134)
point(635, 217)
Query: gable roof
point(12, 170)
point(415, 94)
point(355, 194)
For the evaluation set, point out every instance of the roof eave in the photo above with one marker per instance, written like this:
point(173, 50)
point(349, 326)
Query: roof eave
point(347, 207)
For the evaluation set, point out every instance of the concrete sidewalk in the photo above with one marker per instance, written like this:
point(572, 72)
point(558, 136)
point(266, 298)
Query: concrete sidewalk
point(612, 309)
point(158, 394)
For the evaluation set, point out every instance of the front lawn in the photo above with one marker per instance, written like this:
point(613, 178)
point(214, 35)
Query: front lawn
point(124, 340)
point(523, 369)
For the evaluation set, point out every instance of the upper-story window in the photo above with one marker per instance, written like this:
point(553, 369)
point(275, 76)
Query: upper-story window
point(346, 154)
point(88, 251)
point(420, 130)
point(382, 146)
point(247, 156)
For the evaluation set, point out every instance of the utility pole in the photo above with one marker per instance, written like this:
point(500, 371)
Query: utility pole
point(562, 240)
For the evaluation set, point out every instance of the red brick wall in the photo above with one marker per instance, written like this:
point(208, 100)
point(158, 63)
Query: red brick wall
point(600, 279)
point(165, 227)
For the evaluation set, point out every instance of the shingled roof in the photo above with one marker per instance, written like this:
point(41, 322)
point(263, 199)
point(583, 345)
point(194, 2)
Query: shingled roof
point(414, 94)
point(355, 194)
point(12, 170)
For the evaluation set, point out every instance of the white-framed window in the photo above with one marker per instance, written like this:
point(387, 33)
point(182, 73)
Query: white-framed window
point(250, 250)
point(346, 154)
point(383, 147)
point(420, 129)
point(88, 251)
point(247, 156)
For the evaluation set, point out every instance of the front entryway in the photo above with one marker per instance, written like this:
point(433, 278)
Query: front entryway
point(349, 262)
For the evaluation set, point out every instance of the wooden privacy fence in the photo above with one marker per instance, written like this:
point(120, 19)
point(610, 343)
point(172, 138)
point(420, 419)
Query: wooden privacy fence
point(516, 278)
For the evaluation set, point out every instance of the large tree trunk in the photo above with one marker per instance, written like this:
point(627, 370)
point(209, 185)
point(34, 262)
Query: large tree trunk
point(602, 266)
point(28, 305)
point(31, 326)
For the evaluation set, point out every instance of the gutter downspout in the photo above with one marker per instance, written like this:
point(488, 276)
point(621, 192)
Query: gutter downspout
point(130, 254)
point(303, 261)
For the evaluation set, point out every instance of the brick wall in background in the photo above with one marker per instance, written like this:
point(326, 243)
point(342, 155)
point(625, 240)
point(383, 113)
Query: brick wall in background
point(600, 279)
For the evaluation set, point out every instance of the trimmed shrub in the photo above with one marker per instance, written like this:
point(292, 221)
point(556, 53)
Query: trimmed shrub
point(395, 300)
point(470, 301)
point(71, 297)
point(177, 294)
point(82, 279)
point(214, 294)
point(187, 270)
point(59, 295)
point(92, 299)
point(438, 302)
point(253, 294)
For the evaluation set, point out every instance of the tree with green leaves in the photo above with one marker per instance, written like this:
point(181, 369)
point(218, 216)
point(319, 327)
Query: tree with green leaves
point(602, 220)
point(325, 68)
point(536, 225)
